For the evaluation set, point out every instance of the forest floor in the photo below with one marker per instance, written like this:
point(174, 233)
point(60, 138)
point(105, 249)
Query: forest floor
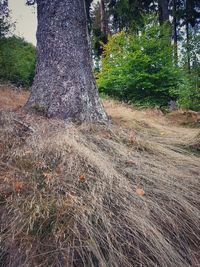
point(123, 194)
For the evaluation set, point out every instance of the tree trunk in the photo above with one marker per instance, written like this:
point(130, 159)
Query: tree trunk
point(64, 86)
point(175, 35)
point(163, 11)
point(103, 18)
point(188, 45)
point(187, 7)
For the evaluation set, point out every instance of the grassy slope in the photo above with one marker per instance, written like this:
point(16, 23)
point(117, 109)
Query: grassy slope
point(126, 194)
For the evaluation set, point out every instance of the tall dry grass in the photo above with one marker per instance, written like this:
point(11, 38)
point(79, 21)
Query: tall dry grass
point(12, 97)
point(95, 195)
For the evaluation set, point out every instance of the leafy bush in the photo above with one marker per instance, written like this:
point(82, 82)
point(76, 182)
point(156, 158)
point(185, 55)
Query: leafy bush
point(17, 61)
point(139, 68)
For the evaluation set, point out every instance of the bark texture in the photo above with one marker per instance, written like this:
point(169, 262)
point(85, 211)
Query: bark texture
point(64, 85)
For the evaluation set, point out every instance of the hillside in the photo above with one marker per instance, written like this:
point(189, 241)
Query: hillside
point(123, 194)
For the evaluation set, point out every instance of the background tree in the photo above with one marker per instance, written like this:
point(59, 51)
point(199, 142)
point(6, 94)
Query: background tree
point(163, 8)
point(191, 16)
point(3, 8)
point(104, 26)
point(175, 34)
point(186, 14)
point(5, 24)
point(128, 14)
point(17, 61)
point(99, 30)
point(70, 91)
point(139, 68)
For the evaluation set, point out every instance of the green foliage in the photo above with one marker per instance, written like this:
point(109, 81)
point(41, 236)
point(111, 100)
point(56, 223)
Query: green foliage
point(189, 94)
point(139, 68)
point(17, 61)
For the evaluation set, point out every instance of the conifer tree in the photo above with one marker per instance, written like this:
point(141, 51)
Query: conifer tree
point(64, 85)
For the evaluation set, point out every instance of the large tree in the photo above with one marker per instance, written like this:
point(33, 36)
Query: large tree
point(64, 85)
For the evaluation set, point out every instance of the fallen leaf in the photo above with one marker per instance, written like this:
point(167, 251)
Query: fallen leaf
point(140, 192)
point(82, 178)
point(18, 186)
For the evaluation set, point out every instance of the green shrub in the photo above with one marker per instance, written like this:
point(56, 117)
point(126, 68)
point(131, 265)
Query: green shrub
point(189, 93)
point(139, 68)
point(17, 61)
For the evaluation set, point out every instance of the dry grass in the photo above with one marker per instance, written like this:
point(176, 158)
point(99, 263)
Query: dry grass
point(194, 143)
point(11, 97)
point(185, 117)
point(151, 123)
point(118, 195)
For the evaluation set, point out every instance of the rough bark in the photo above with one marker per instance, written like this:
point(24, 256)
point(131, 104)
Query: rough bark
point(163, 10)
point(64, 85)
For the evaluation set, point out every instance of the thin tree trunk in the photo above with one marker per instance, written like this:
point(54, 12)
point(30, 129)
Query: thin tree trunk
point(163, 11)
point(64, 85)
point(103, 17)
point(188, 44)
point(175, 35)
point(187, 35)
